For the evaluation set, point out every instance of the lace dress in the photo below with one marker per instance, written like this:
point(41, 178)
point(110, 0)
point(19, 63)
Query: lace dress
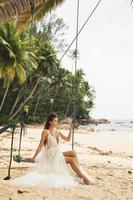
point(51, 169)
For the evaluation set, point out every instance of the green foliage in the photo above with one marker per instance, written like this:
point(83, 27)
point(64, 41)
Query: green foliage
point(14, 55)
point(35, 77)
point(4, 119)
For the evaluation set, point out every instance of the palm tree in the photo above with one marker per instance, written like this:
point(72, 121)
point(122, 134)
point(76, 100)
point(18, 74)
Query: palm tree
point(53, 29)
point(46, 57)
point(15, 59)
point(46, 61)
point(41, 92)
point(22, 9)
point(60, 82)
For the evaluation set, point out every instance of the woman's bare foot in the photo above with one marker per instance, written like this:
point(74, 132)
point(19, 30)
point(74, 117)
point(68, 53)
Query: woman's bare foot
point(87, 181)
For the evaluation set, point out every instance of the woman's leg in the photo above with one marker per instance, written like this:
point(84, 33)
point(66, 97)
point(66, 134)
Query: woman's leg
point(71, 154)
point(76, 168)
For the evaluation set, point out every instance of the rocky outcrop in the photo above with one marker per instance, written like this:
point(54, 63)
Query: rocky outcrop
point(85, 121)
point(102, 121)
point(94, 121)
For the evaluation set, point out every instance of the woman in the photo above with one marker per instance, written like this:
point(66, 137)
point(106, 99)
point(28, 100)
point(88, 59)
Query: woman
point(51, 169)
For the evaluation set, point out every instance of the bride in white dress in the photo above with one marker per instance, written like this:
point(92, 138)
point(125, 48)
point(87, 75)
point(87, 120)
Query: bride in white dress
point(51, 163)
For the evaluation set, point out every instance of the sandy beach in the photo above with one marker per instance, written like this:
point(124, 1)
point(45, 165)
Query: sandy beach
point(108, 157)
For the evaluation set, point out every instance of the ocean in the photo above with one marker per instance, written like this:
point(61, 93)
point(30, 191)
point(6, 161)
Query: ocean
point(122, 127)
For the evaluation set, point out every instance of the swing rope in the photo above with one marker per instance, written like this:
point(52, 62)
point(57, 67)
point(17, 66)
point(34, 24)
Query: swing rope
point(93, 11)
point(3, 129)
point(76, 51)
point(75, 82)
point(78, 32)
point(13, 127)
point(19, 159)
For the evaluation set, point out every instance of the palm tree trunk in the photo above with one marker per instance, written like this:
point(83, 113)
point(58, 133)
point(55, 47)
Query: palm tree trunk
point(4, 97)
point(26, 100)
point(37, 102)
point(51, 107)
point(16, 101)
point(68, 106)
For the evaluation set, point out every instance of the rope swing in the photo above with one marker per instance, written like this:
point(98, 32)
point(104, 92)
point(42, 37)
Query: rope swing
point(76, 52)
point(24, 113)
point(13, 127)
point(75, 80)
point(93, 11)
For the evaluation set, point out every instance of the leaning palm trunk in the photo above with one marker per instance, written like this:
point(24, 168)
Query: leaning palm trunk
point(38, 100)
point(37, 103)
point(51, 107)
point(4, 97)
point(70, 100)
point(16, 101)
point(26, 100)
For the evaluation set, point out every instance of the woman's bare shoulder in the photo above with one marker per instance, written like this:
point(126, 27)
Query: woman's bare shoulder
point(45, 131)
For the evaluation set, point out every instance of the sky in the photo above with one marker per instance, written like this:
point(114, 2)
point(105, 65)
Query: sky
point(106, 53)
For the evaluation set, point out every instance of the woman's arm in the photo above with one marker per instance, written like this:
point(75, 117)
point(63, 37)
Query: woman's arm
point(66, 138)
point(42, 141)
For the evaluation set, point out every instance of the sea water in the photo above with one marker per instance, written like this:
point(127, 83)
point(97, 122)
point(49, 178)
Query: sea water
point(122, 127)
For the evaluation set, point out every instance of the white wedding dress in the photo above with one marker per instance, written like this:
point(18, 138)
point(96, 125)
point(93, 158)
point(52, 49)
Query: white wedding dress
point(51, 169)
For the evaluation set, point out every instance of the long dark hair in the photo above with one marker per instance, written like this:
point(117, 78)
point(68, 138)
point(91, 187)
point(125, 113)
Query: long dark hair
point(50, 119)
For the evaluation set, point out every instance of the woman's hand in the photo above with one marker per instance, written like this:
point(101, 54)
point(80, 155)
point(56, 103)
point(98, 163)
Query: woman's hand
point(30, 160)
point(66, 138)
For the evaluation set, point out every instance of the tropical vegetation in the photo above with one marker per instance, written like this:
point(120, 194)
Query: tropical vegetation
point(30, 72)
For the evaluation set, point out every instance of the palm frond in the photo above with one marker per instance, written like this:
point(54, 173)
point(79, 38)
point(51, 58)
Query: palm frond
point(9, 8)
point(21, 74)
point(6, 54)
point(50, 5)
point(16, 60)
point(22, 9)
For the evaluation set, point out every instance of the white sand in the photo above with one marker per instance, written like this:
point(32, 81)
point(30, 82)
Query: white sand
point(107, 156)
